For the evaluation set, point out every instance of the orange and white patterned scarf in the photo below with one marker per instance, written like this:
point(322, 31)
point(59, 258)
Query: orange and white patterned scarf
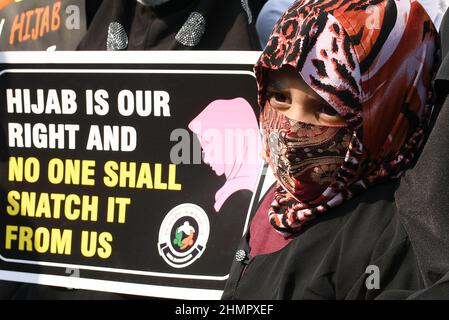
point(372, 61)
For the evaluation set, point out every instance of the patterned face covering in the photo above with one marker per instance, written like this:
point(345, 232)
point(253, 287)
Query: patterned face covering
point(372, 62)
point(303, 157)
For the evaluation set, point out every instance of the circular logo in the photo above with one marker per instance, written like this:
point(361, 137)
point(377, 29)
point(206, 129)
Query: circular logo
point(183, 235)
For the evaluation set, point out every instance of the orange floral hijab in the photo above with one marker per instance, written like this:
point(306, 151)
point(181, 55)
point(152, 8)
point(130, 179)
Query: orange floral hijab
point(372, 61)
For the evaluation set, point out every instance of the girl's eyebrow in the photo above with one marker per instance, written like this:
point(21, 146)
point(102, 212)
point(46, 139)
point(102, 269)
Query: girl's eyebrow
point(276, 84)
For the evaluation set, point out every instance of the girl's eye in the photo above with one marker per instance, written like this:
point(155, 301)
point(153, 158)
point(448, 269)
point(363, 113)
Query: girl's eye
point(328, 110)
point(277, 96)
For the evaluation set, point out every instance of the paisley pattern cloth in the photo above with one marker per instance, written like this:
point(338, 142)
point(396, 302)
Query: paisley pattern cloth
point(372, 61)
point(303, 157)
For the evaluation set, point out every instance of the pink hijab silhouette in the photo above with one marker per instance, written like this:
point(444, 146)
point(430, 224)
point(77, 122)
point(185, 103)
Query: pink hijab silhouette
point(229, 136)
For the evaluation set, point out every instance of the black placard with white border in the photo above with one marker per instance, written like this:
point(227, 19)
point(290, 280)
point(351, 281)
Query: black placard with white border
point(126, 172)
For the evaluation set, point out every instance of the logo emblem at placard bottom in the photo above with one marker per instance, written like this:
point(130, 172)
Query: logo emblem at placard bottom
point(183, 235)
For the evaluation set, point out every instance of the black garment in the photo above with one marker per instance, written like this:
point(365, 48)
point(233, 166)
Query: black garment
point(328, 260)
point(333, 258)
point(228, 26)
point(424, 193)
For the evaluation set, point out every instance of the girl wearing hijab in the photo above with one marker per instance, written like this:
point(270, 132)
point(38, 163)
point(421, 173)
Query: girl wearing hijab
point(344, 88)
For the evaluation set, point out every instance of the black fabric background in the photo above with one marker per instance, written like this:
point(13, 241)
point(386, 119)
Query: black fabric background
point(148, 28)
